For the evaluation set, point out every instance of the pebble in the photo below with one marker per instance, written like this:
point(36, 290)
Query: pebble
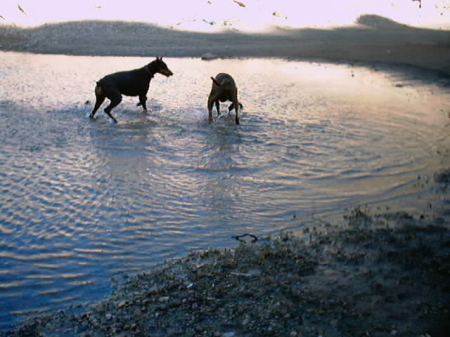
point(163, 299)
point(229, 334)
point(209, 57)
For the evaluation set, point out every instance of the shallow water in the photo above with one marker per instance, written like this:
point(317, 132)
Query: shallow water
point(84, 201)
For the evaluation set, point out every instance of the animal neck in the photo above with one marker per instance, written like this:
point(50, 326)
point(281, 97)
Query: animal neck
point(149, 70)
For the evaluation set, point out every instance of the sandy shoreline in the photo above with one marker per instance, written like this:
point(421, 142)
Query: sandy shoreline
point(359, 34)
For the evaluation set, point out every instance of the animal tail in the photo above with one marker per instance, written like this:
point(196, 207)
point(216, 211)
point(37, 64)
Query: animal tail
point(98, 89)
point(216, 82)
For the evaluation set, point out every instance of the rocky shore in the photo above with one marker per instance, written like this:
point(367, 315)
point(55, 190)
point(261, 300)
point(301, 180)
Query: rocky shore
point(381, 275)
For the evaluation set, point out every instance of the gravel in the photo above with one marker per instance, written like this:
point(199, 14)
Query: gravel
point(381, 275)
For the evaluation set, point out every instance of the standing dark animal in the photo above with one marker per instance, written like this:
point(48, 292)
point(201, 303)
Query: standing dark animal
point(223, 89)
point(130, 83)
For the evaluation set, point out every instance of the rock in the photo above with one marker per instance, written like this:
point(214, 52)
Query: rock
point(241, 4)
point(229, 334)
point(278, 15)
point(87, 334)
point(209, 57)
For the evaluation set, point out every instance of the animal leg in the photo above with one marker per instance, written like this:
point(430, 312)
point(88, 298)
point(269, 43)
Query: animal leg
point(115, 101)
point(231, 107)
point(99, 99)
point(211, 100)
point(235, 104)
point(143, 102)
point(218, 107)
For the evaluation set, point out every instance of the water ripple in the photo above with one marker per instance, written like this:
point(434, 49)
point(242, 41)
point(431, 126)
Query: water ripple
point(82, 200)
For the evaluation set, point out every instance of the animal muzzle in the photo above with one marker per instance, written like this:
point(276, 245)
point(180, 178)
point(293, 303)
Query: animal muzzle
point(166, 72)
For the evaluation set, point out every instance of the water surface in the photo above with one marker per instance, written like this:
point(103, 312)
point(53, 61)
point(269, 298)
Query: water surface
point(85, 201)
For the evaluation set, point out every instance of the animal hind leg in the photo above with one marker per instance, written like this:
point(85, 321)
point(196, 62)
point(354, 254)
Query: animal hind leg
point(231, 107)
point(218, 107)
point(99, 99)
point(115, 101)
point(211, 100)
point(98, 102)
point(236, 107)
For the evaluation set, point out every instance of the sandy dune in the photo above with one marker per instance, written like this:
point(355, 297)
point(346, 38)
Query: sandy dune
point(407, 32)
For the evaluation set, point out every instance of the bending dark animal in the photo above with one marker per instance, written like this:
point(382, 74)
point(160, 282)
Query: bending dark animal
point(223, 89)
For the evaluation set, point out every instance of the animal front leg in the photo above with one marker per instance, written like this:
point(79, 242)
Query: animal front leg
point(143, 102)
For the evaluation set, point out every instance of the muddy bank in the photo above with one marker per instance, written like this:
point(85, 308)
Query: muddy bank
point(381, 275)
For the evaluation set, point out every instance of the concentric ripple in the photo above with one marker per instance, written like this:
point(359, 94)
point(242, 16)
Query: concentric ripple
point(83, 201)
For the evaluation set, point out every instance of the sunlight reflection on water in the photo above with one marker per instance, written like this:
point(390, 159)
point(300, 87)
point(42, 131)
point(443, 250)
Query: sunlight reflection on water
point(84, 200)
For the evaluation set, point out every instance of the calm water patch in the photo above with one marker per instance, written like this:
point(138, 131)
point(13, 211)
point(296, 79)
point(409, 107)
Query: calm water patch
point(84, 201)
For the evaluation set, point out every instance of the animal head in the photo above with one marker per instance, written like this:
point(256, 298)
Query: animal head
point(160, 67)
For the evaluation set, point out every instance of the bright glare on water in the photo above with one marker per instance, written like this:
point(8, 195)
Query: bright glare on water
point(83, 201)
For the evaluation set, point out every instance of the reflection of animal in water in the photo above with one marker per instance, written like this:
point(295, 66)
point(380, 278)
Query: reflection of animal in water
point(223, 89)
point(130, 83)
